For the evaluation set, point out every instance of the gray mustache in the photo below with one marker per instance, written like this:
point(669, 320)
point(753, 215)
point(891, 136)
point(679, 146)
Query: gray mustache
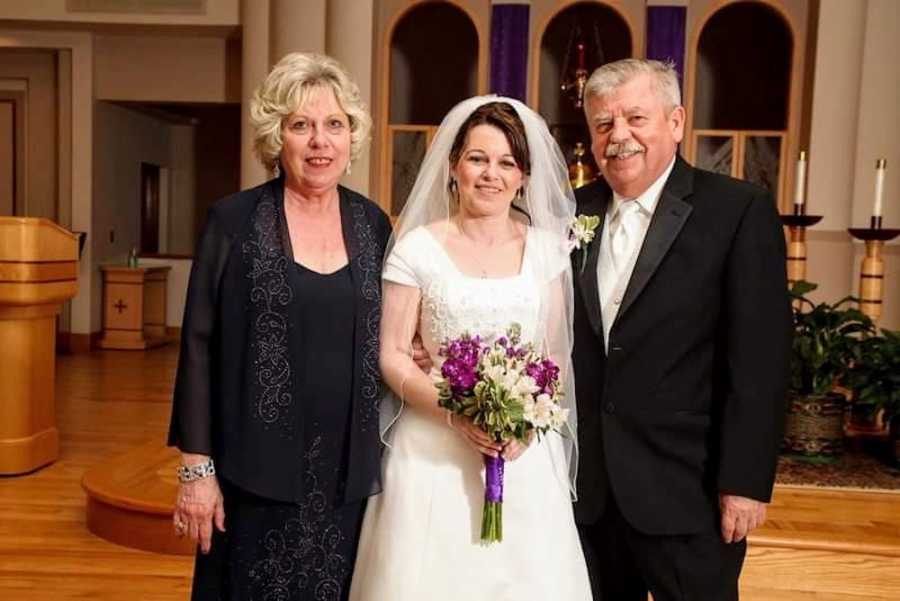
point(625, 147)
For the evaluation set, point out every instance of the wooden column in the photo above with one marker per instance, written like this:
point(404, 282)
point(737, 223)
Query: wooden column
point(38, 272)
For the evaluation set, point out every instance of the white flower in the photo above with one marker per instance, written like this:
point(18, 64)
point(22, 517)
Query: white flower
point(540, 413)
point(495, 373)
point(525, 387)
point(582, 230)
point(560, 417)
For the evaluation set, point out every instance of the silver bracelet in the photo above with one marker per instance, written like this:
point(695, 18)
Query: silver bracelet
point(189, 473)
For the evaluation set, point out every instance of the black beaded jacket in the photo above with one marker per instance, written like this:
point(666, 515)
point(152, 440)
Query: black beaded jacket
point(236, 391)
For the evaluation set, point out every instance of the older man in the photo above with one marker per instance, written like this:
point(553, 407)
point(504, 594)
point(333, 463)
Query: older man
point(682, 334)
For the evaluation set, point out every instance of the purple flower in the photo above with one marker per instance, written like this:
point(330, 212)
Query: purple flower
point(544, 373)
point(461, 363)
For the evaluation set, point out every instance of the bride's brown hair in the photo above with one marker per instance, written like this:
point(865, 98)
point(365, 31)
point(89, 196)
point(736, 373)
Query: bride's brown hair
point(504, 117)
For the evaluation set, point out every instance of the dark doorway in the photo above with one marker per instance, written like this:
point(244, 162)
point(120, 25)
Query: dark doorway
point(149, 208)
point(7, 158)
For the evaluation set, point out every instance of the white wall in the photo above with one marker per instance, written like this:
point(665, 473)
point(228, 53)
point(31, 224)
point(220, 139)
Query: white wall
point(176, 287)
point(125, 138)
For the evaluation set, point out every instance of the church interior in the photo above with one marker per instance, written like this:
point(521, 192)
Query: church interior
point(123, 121)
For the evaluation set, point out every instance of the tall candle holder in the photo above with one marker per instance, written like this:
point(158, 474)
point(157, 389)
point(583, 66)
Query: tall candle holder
point(796, 248)
point(871, 274)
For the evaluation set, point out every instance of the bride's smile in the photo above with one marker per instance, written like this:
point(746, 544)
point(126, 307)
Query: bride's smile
point(487, 174)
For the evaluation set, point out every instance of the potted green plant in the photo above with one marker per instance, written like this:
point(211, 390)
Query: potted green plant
point(822, 351)
point(874, 380)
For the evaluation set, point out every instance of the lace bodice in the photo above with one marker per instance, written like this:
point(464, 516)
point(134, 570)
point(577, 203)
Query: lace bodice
point(454, 303)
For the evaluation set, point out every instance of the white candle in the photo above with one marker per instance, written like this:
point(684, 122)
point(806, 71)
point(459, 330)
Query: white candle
point(800, 184)
point(880, 168)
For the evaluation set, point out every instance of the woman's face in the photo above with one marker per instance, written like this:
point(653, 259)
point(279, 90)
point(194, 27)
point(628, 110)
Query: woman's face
point(316, 143)
point(486, 172)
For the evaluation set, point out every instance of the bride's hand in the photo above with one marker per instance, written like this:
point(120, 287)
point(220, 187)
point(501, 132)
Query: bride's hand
point(513, 448)
point(477, 438)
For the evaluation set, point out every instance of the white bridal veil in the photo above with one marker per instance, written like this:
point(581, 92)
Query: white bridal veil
point(549, 204)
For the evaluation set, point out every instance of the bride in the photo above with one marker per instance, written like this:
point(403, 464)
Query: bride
point(481, 244)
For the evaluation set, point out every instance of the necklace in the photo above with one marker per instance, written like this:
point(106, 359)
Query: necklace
point(483, 271)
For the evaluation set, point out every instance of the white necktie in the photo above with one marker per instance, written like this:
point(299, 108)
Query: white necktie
point(624, 235)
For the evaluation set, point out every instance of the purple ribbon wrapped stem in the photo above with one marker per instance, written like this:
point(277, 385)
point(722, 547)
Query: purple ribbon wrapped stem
point(493, 479)
point(492, 515)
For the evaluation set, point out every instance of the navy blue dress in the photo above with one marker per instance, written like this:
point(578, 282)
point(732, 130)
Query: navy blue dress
point(280, 551)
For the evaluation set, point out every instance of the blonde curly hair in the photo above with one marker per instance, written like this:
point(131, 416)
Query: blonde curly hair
point(287, 88)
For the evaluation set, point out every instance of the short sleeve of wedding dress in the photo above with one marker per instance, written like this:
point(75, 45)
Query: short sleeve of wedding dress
point(404, 265)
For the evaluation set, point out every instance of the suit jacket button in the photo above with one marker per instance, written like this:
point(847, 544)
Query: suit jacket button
point(610, 408)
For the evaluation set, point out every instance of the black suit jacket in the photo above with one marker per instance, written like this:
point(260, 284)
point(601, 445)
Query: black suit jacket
point(690, 399)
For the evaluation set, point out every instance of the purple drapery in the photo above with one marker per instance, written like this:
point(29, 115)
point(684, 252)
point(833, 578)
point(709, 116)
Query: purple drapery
point(665, 35)
point(509, 49)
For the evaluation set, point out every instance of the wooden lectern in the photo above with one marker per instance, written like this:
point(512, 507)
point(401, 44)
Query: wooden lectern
point(38, 272)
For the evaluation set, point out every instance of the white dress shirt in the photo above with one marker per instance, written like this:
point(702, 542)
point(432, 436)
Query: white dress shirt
point(614, 272)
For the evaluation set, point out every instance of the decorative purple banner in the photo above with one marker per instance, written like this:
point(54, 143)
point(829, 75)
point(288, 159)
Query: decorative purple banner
point(665, 35)
point(509, 50)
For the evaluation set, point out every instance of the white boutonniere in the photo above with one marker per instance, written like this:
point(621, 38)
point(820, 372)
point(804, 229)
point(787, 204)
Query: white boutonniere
point(581, 234)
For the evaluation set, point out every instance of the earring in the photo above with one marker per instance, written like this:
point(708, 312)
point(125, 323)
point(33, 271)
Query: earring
point(452, 185)
point(347, 171)
point(277, 169)
point(520, 193)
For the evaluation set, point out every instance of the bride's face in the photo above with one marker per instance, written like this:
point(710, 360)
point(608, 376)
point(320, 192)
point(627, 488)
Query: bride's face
point(486, 173)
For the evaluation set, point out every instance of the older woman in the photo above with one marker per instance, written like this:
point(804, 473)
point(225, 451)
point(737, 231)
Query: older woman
point(275, 398)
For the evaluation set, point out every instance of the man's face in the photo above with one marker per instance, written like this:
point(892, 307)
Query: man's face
point(633, 136)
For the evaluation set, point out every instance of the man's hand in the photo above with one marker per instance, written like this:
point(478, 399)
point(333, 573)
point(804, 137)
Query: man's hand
point(420, 354)
point(740, 516)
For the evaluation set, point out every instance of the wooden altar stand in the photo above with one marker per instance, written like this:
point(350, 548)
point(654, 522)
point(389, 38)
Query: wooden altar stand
point(134, 307)
point(38, 272)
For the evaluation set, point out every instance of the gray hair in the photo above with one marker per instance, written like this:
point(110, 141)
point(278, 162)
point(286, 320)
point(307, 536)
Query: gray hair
point(613, 75)
point(287, 88)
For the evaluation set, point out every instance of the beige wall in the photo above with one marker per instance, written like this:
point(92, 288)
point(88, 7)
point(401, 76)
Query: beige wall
point(37, 70)
point(218, 12)
point(878, 130)
point(164, 68)
point(182, 190)
point(854, 120)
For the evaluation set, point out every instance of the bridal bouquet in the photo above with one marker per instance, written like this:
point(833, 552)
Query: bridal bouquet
point(509, 390)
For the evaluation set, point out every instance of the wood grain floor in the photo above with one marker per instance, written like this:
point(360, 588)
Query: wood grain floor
point(831, 547)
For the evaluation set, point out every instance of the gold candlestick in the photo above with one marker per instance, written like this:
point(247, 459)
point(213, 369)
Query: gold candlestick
point(871, 273)
point(796, 248)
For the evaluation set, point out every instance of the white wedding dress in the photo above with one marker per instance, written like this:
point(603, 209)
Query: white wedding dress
point(421, 536)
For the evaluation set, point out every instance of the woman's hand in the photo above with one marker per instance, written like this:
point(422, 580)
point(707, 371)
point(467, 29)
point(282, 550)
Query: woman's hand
point(513, 447)
point(198, 505)
point(477, 438)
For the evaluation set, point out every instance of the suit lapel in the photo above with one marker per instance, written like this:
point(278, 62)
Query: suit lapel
point(588, 276)
point(670, 215)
